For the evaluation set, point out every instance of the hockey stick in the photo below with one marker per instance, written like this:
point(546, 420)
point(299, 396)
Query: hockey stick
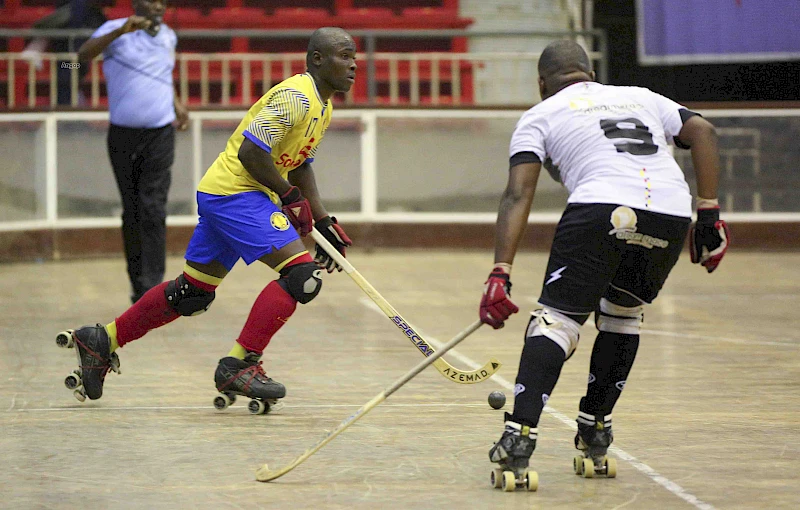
point(265, 474)
point(444, 368)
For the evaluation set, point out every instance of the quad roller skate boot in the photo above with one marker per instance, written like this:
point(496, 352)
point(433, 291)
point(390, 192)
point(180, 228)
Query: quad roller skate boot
point(512, 452)
point(247, 378)
point(92, 347)
point(593, 439)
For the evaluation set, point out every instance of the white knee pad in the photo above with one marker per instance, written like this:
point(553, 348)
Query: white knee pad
point(619, 319)
point(557, 327)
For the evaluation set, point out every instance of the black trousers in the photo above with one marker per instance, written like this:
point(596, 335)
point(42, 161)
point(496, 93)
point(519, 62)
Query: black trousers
point(142, 161)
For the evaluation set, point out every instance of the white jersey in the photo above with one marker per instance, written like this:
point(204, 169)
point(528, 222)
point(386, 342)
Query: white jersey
point(608, 145)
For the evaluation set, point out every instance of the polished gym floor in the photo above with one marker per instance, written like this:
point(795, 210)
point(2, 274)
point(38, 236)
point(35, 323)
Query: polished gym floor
point(710, 417)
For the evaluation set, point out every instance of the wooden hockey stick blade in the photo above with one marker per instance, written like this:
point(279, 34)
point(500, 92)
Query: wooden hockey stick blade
point(265, 474)
point(444, 368)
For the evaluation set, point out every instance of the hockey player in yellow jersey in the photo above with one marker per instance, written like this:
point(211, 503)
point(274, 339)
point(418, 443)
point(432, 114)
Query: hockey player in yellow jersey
point(255, 202)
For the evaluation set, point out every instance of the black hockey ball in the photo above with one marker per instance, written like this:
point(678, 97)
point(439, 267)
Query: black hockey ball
point(497, 399)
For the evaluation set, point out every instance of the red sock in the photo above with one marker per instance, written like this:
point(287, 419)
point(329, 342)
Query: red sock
point(151, 311)
point(272, 309)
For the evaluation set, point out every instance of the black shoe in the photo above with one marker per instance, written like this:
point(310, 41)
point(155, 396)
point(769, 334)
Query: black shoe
point(246, 377)
point(93, 348)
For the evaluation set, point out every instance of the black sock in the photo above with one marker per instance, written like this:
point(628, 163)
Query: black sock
point(539, 368)
point(612, 358)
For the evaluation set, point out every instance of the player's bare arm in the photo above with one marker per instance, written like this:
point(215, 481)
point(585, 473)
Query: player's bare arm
point(260, 166)
point(303, 178)
point(328, 226)
point(515, 205)
point(701, 136)
point(709, 236)
point(95, 46)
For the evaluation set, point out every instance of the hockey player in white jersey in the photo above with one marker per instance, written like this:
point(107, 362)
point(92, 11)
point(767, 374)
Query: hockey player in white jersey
point(628, 214)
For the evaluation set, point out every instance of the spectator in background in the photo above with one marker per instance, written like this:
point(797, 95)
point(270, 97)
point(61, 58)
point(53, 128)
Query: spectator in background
point(68, 14)
point(139, 56)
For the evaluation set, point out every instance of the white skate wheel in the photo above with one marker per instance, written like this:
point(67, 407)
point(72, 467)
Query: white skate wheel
point(113, 363)
point(64, 339)
point(577, 464)
point(496, 478)
point(221, 402)
point(72, 381)
point(256, 407)
point(509, 481)
point(79, 394)
point(588, 468)
point(532, 481)
point(274, 405)
point(611, 468)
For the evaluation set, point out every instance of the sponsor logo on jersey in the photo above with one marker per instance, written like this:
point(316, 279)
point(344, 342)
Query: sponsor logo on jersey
point(592, 378)
point(580, 103)
point(279, 221)
point(624, 219)
point(518, 388)
point(620, 385)
point(606, 108)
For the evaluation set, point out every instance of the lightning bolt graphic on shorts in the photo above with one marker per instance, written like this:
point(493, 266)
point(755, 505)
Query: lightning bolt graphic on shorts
point(555, 275)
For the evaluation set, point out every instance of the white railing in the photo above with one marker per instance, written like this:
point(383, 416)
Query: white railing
point(46, 183)
point(462, 78)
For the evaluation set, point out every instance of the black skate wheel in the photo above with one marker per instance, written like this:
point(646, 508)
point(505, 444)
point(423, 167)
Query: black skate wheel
point(496, 478)
point(611, 468)
point(257, 407)
point(509, 483)
point(221, 402)
point(531, 481)
point(72, 381)
point(64, 339)
point(588, 468)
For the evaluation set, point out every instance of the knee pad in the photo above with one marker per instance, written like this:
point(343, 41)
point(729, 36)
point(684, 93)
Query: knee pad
point(556, 326)
point(302, 281)
point(187, 299)
point(619, 319)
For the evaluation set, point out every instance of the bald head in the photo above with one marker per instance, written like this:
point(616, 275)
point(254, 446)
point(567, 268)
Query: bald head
point(562, 63)
point(324, 41)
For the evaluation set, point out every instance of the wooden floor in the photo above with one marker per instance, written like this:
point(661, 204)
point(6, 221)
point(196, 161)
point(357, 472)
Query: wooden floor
point(710, 417)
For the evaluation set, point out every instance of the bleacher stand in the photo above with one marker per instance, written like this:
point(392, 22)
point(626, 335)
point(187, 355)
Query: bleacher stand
point(280, 15)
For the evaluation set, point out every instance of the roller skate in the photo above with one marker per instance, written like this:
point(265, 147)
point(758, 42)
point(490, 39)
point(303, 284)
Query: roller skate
point(512, 452)
point(92, 347)
point(593, 439)
point(247, 378)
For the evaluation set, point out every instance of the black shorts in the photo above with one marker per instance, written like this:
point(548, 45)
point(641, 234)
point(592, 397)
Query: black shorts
point(598, 246)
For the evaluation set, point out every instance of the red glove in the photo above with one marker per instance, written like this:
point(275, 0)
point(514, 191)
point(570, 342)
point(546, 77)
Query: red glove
point(298, 210)
point(496, 306)
point(330, 229)
point(708, 239)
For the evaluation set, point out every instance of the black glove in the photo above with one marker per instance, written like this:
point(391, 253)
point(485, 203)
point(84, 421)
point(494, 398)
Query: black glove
point(708, 239)
point(334, 234)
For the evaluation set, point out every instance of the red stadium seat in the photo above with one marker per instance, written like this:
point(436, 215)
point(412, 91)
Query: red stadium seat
point(302, 17)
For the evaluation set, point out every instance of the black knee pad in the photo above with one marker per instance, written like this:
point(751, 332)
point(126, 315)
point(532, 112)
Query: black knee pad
point(302, 281)
point(186, 298)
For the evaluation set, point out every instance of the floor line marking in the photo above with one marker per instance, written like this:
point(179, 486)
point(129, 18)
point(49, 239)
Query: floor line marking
point(643, 468)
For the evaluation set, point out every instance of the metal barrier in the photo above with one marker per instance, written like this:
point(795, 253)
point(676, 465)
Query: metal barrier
point(390, 165)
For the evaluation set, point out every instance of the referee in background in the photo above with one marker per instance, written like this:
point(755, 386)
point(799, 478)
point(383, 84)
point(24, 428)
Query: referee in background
point(139, 56)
